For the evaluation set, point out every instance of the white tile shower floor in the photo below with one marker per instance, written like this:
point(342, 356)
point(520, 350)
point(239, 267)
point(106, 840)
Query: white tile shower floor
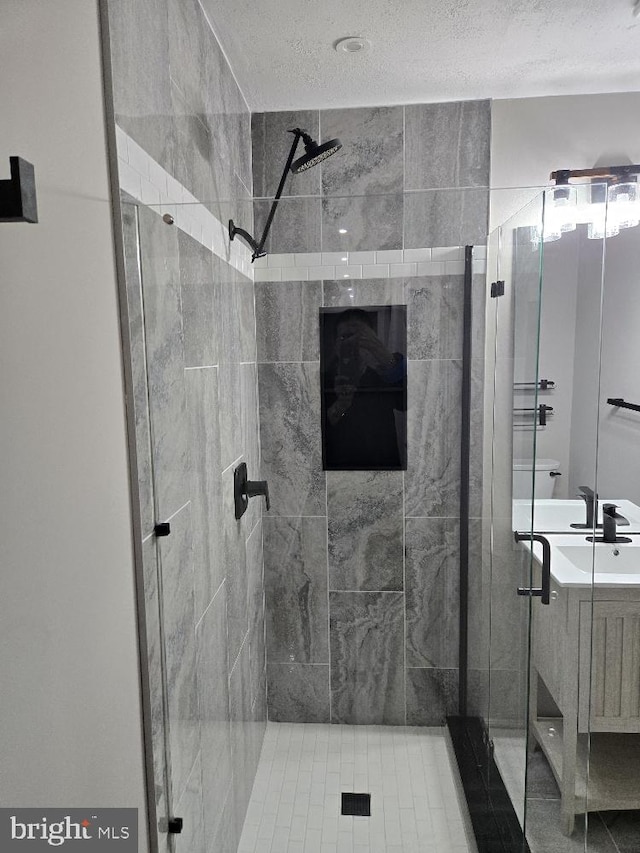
point(304, 768)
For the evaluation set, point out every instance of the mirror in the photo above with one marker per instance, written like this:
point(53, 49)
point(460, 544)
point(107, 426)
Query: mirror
point(589, 353)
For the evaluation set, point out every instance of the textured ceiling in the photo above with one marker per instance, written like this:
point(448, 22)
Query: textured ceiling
point(282, 52)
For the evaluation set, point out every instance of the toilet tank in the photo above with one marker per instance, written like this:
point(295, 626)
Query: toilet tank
point(546, 474)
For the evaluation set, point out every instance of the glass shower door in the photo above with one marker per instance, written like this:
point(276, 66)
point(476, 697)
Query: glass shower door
point(544, 514)
point(514, 314)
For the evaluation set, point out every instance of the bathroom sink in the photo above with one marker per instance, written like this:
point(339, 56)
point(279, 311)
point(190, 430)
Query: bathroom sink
point(557, 516)
point(609, 559)
point(572, 561)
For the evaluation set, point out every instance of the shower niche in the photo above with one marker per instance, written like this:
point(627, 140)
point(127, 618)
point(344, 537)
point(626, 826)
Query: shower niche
point(363, 367)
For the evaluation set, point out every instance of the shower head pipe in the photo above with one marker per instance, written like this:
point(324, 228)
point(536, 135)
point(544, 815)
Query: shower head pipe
point(314, 153)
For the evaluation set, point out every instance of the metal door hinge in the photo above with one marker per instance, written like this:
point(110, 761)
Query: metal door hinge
point(162, 529)
point(175, 825)
point(497, 288)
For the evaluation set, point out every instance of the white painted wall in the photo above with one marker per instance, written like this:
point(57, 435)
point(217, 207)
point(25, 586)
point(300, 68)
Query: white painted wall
point(531, 137)
point(70, 718)
point(619, 429)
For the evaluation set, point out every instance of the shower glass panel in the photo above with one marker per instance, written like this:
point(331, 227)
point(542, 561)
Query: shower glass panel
point(543, 348)
point(613, 779)
point(341, 604)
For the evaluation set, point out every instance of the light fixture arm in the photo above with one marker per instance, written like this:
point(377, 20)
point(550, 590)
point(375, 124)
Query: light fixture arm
point(617, 173)
point(258, 247)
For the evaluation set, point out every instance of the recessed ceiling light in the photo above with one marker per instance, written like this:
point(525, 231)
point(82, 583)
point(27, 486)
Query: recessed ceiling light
point(346, 275)
point(345, 258)
point(352, 44)
point(342, 230)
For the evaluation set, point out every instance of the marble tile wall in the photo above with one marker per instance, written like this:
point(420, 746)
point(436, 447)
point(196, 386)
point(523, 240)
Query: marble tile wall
point(406, 178)
point(193, 353)
point(362, 567)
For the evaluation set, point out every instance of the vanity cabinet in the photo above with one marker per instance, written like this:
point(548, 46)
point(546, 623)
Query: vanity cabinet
point(586, 650)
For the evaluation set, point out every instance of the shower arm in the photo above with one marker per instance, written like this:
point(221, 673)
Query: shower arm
point(258, 248)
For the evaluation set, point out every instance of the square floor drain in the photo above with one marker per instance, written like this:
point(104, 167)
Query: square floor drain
point(356, 804)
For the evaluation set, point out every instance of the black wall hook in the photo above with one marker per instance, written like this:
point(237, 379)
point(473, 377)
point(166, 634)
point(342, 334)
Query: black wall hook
point(18, 194)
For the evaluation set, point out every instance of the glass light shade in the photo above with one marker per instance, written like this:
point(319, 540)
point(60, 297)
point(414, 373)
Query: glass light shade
point(559, 212)
point(623, 204)
point(600, 223)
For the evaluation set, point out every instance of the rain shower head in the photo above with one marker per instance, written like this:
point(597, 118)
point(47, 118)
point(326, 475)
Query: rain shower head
point(314, 153)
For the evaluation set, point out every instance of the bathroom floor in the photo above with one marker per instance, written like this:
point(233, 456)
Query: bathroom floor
point(304, 768)
point(607, 832)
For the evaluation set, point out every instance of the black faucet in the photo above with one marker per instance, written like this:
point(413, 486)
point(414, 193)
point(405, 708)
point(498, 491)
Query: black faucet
point(591, 500)
point(609, 526)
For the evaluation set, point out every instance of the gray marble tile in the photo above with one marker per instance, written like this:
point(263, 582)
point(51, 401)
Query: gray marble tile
point(365, 530)
point(295, 564)
point(364, 291)
point(479, 298)
point(241, 754)
point(296, 226)
point(432, 480)
point(235, 561)
point(229, 122)
point(432, 694)
point(298, 692)
point(371, 159)
point(255, 604)
point(198, 303)
point(287, 320)
point(432, 592)
point(189, 42)
point(251, 440)
point(138, 366)
point(244, 298)
point(206, 505)
point(178, 617)
point(258, 723)
point(447, 145)
point(228, 303)
point(139, 41)
point(271, 143)
point(435, 316)
point(191, 839)
point(165, 362)
point(154, 670)
point(367, 658)
point(230, 412)
point(250, 435)
point(225, 840)
point(213, 694)
point(194, 153)
point(371, 222)
point(289, 396)
point(476, 460)
point(455, 217)
point(479, 592)
point(507, 696)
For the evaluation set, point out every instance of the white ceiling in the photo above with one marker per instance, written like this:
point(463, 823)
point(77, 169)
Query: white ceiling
point(282, 52)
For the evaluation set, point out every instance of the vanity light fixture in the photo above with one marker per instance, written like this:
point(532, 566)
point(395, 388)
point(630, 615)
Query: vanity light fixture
point(611, 203)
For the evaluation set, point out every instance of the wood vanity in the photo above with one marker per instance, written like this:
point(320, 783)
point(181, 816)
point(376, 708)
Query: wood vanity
point(585, 625)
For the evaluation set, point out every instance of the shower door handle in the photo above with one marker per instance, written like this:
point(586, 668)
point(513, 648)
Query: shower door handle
point(544, 591)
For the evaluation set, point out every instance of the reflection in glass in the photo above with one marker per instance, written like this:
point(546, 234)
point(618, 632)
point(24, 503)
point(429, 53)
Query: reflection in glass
point(364, 387)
